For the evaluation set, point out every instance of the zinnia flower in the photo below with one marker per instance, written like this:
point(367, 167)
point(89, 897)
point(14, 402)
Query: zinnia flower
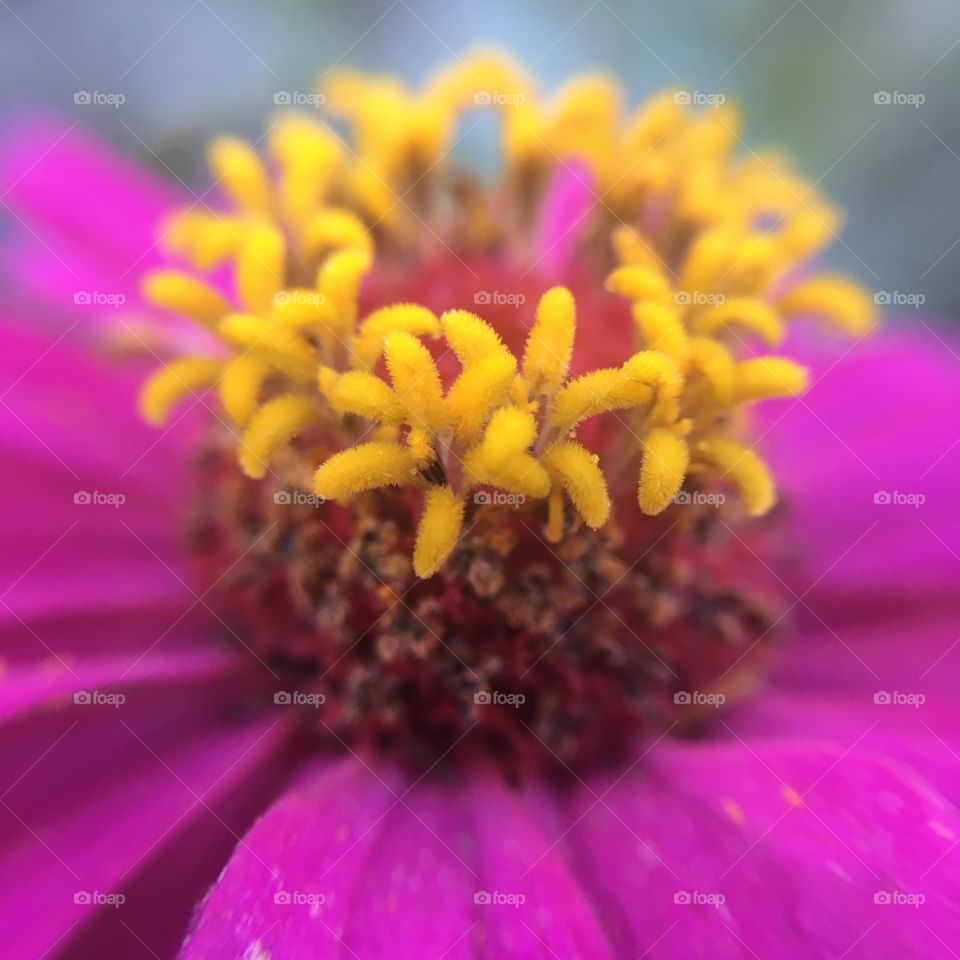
point(518, 569)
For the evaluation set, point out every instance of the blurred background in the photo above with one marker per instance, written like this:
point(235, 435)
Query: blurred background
point(863, 93)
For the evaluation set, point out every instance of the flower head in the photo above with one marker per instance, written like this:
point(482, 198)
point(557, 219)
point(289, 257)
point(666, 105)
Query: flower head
point(478, 441)
point(594, 331)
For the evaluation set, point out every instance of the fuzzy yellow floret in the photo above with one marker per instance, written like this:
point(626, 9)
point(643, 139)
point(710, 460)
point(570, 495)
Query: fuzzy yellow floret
point(742, 467)
point(277, 422)
point(439, 528)
point(578, 471)
point(364, 467)
point(663, 468)
point(180, 293)
point(172, 383)
point(549, 347)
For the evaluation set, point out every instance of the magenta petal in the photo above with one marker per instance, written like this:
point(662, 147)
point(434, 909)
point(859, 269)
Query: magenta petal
point(570, 197)
point(73, 190)
point(771, 850)
point(880, 423)
point(94, 793)
point(290, 888)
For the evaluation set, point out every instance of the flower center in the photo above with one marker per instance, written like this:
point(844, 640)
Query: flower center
point(445, 520)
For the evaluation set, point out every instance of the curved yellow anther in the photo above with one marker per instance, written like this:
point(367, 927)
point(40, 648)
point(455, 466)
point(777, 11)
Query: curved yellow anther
point(770, 377)
point(300, 307)
point(273, 342)
point(511, 432)
point(501, 459)
point(708, 256)
point(415, 380)
point(339, 281)
point(261, 265)
point(470, 338)
point(171, 383)
point(240, 387)
point(577, 470)
point(741, 466)
point(597, 392)
point(838, 300)
point(474, 394)
point(755, 316)
point(549, 346)
point(638, 283)
point(185, 295)
point(205, 239)
point(632, 250)
point(808, 230)
point(359, 392)
point(364, 467)
point(663, 330)
point(657, 370)
point(277, 422)
point(421, 446)
point(397, 318)
point(716, 368)
point(308, 156)
point(440, 525)
point(335, 229)
point(238, 167)
point(663, 468)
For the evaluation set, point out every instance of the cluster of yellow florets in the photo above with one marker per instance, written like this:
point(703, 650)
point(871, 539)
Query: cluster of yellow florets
point(699, 266)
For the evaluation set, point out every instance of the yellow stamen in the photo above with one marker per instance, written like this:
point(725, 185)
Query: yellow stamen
point(397, 318)
point(745, 469)
point(546, 356)
point(364, 467)
point(241, 173)
point(833, 298)
point(438, 531)
point(367, 396)
point(662, 470)
point(277, 422)
point(577, 471)
point(770, 377)
point(173, 382)
point(470, 338)
point(260, 267)
point(181, 293)
point(416, 380)
point(240, 387)
point(273, 342)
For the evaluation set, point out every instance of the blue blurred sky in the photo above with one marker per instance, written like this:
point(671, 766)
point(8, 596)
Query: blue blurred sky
point(805, 71)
